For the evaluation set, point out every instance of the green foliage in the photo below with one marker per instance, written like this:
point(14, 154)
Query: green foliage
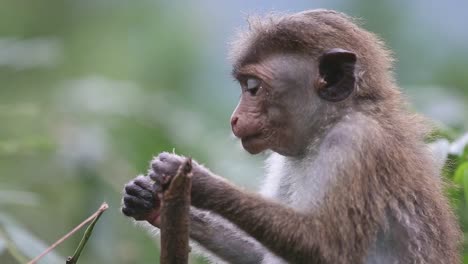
point(90, 90)
point(458, 192)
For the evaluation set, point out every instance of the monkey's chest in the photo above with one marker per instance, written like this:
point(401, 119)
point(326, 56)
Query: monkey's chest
point(298, 186)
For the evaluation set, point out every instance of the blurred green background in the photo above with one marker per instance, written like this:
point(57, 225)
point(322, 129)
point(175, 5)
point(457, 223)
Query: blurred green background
point(90, 90)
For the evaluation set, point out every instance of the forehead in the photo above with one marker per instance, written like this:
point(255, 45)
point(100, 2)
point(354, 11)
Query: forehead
point(278, 67)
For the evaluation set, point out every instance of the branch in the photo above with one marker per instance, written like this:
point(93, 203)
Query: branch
point(74, 259)
point(94, 216)
point(175, 217)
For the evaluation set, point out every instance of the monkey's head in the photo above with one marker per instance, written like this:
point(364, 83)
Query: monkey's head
point(299, 74)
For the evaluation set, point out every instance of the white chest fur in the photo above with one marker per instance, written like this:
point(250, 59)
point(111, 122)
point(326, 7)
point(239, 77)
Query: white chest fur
point(302, 185)
point(295, 182)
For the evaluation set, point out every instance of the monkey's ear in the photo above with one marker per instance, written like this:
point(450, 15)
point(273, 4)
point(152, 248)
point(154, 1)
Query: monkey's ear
point(336, 69)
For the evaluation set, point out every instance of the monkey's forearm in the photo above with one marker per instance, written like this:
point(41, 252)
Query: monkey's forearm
point(224, 239)
point(282, 230)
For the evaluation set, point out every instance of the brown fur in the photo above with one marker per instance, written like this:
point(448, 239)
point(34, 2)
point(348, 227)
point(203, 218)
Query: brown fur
point(386, 187)
point(393, 175)
point(312, 33)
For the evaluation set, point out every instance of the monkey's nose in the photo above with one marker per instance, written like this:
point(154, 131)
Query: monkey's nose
point(234, 120)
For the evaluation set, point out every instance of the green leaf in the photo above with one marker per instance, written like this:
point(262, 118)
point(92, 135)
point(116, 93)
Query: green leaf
point(462, 175)
point(464, 156)
point(460, 172)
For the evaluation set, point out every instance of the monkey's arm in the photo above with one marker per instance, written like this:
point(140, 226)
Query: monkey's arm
point(286, 233)
point(337, 233)
point(211, 231)
point(224, 239)
point(340, 230)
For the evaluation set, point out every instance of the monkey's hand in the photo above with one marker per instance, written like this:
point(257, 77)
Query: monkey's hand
point(140, 201)
point(165, 166)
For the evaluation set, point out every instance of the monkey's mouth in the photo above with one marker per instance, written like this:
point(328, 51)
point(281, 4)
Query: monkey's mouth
point(254, 143)
point(251, 137)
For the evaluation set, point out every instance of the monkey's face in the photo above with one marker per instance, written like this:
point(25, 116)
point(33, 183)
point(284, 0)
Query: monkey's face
point(285, 98)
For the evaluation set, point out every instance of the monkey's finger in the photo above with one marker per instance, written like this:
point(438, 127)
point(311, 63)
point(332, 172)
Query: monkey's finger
point(157, 188)
point(163, 156)
point(138, 203)
point(169, 157)
point(160, 182)
point(136, 190)
point(155, 176)
point(164, 167)
point(166, 163)
point(144, 182)
point(159, 178)
point(127, 211)
point(130, 212)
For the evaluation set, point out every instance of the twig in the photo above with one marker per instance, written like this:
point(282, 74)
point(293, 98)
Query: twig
point(101, 209)
point(74, 259)
point(175, 217)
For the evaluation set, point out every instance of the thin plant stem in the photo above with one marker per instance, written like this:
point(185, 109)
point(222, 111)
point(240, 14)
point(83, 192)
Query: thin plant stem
point(89, 230)
point(101, 209)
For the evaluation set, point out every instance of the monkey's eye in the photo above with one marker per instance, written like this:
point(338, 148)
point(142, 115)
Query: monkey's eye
point(252, 85)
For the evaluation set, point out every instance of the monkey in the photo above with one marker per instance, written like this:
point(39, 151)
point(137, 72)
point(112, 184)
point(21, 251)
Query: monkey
point(349, 178)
